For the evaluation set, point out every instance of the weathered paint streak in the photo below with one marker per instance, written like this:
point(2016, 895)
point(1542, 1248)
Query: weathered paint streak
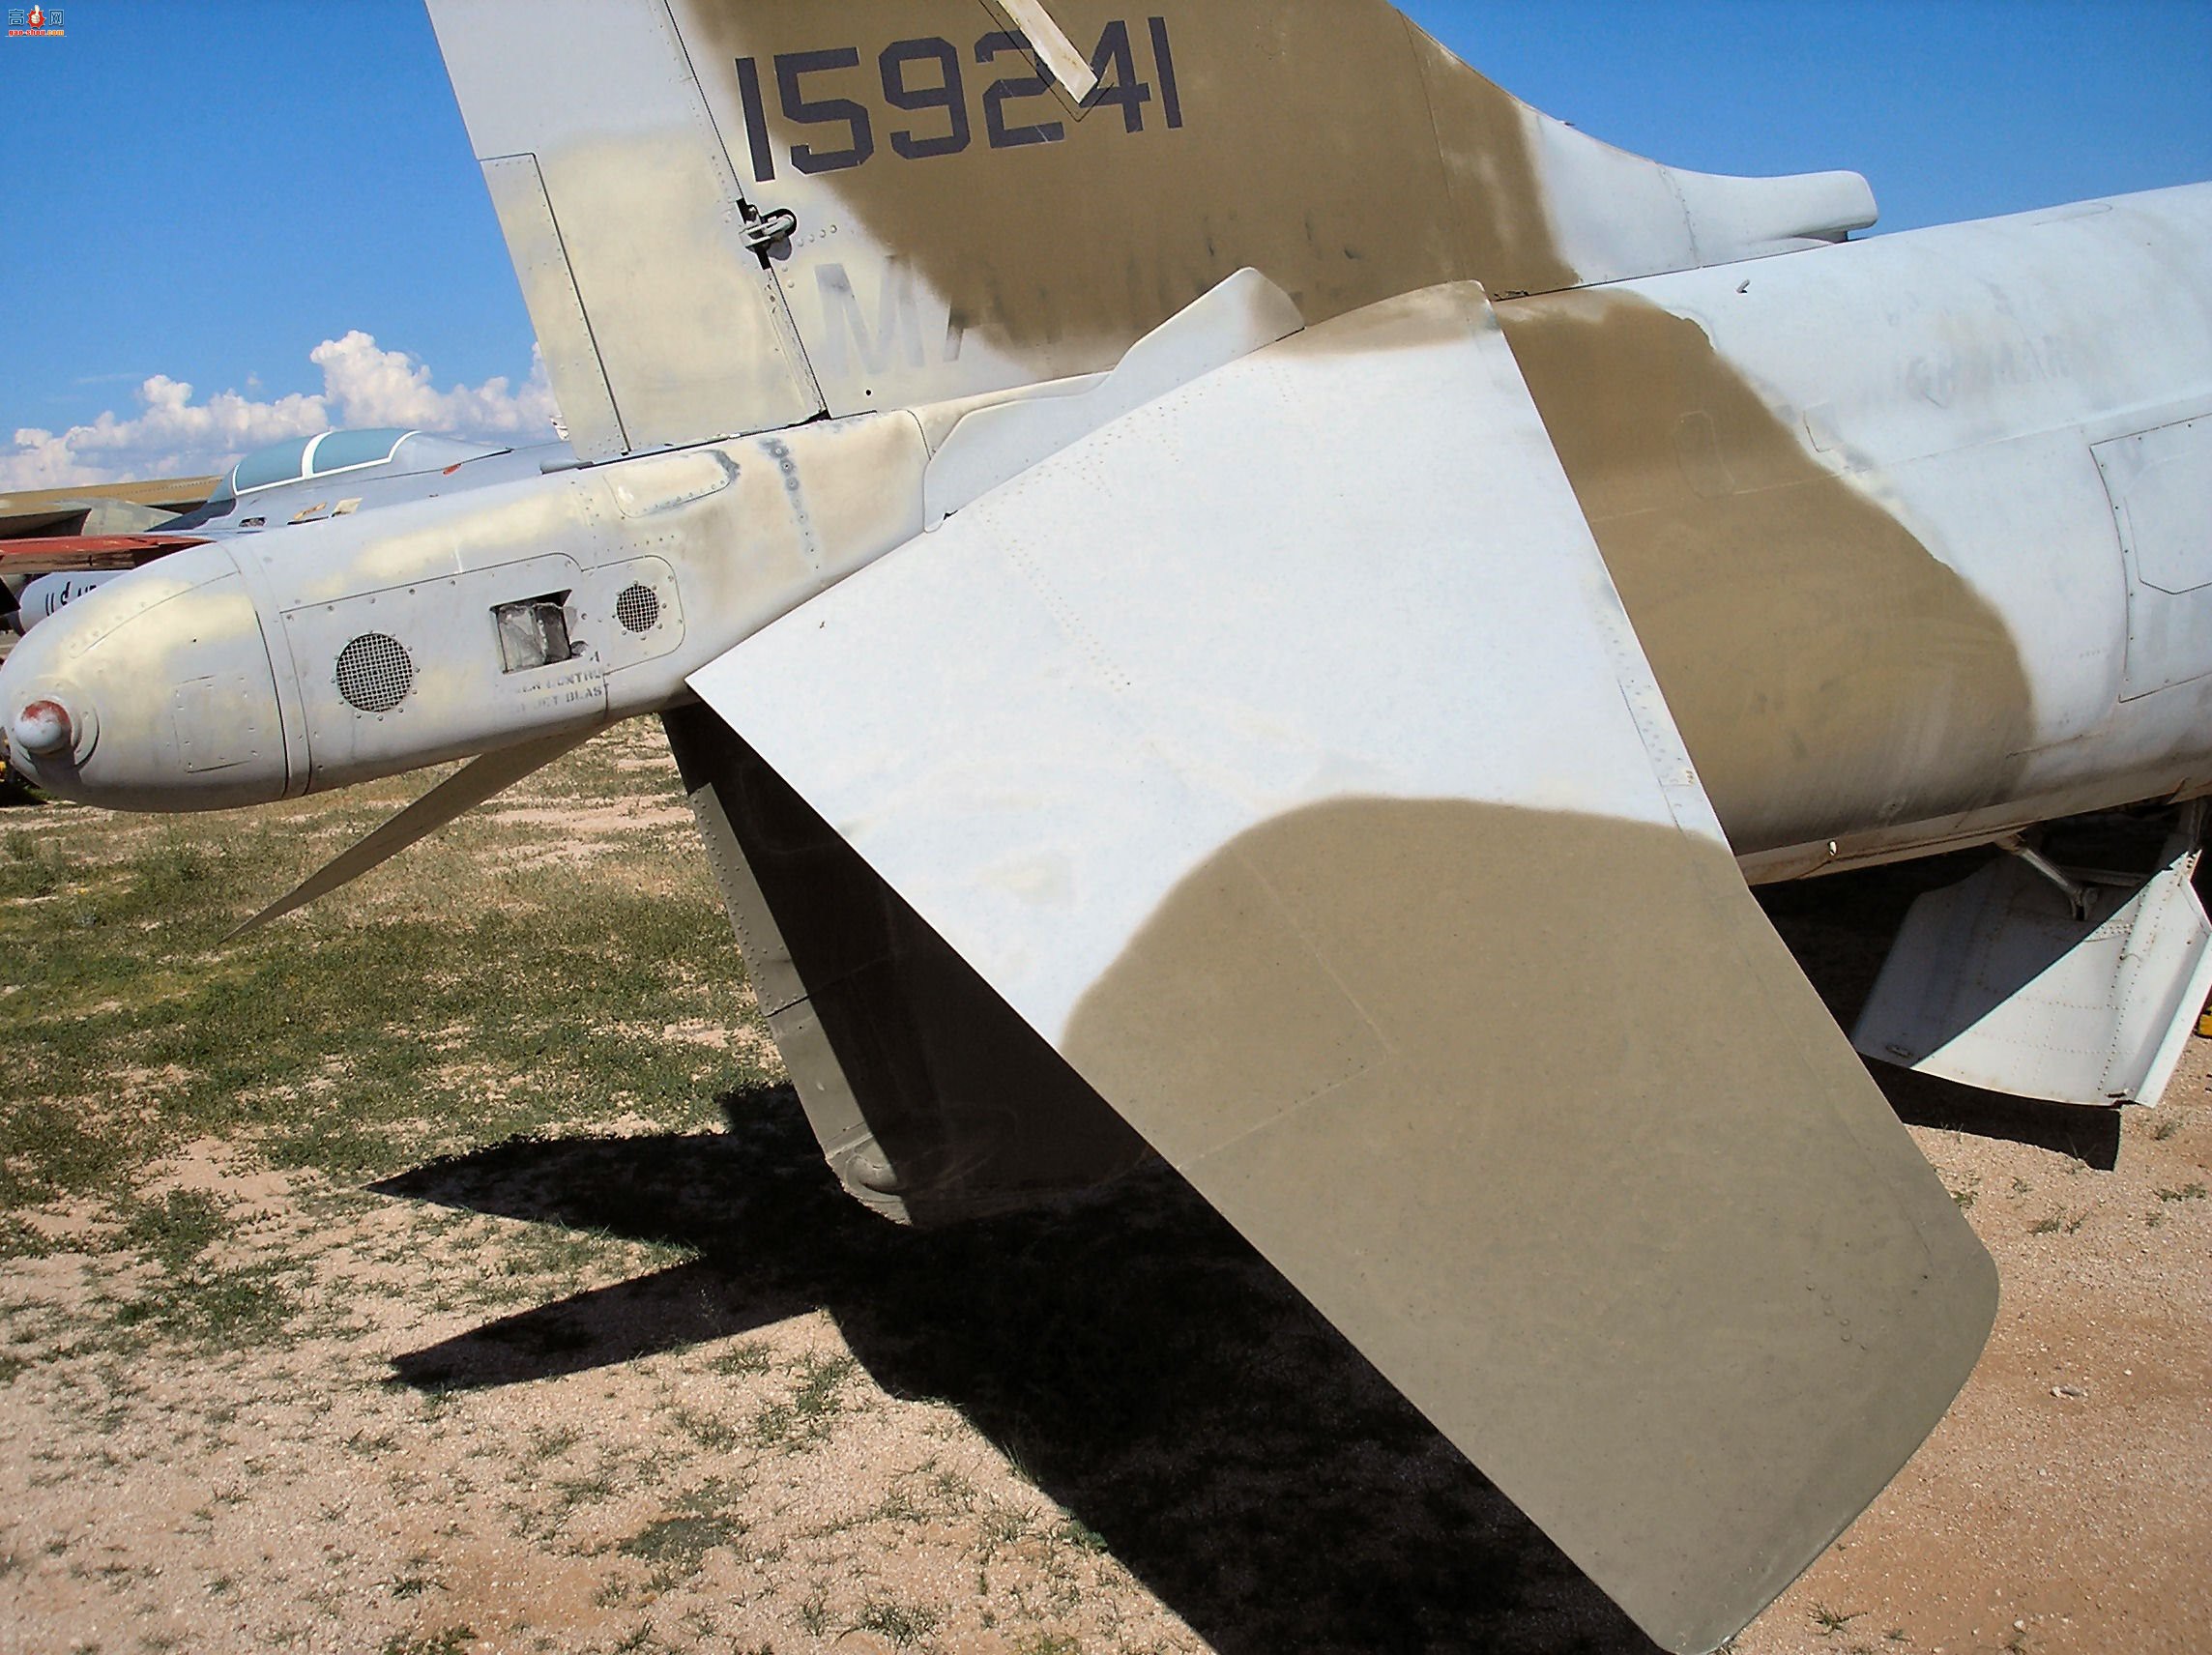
point(1829, 671)
point(705, 358)
point(1506, 240)
point(1690, 1310)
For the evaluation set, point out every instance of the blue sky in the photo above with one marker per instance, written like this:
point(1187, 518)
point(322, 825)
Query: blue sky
point(209, 193)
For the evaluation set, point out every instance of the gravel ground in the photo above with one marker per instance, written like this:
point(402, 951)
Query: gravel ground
point(645, 1381)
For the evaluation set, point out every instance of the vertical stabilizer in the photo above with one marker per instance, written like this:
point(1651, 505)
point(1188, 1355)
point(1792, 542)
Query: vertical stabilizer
point(660, 325)
point(735, 214)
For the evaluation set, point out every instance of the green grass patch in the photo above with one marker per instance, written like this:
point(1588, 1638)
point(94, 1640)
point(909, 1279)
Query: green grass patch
point(439, 1003)
point(905, 1625)
point(744, 1358)
point(452, 1641)
point(22, 1240)
point(488, 986)
point(177, 1229)
point(33, 866)
point(220, 1308)
point(803, 1418)
point(1051, 1643)
point(681, 1543)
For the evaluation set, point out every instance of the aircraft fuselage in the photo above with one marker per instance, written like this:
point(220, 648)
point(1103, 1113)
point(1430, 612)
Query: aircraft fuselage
point(1917, 531)
point(1903, 525)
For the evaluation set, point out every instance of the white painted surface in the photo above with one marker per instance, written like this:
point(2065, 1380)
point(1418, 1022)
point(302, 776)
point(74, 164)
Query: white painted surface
point(1961, 376)
point(2160, 484)
point(1994, 983)
point(996, 443)
point(1346, 566)
point(689, 330)
point(1618, 215)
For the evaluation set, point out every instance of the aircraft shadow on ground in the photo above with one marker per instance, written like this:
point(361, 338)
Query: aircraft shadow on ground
point(1129, 1352)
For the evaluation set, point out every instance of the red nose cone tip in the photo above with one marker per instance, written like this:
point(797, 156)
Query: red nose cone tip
point(45, 726)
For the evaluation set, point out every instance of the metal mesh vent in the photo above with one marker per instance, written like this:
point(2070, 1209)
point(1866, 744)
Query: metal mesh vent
point(638, 608)
point(375, 672)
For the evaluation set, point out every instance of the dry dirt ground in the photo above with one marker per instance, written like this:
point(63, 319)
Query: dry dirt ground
point(446, 1270)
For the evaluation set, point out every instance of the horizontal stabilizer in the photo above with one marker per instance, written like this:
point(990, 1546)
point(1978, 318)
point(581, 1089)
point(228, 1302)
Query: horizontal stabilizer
point(458, 793)
point(1282, 754)
point(1999, 982)
point(932, 1100)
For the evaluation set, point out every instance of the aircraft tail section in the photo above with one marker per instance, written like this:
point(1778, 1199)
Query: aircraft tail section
point(629, 231)
point(734, 214)
point(1280, 753)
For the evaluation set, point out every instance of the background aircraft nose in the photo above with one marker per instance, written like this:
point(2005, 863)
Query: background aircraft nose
point(154, 692)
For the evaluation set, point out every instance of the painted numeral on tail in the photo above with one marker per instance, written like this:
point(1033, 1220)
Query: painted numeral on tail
point(756, 120)
point(1115, 57)
point(1163, 54)
point(1008, 89)
point(1114, 62)
point(949, 94)
point(860, 143)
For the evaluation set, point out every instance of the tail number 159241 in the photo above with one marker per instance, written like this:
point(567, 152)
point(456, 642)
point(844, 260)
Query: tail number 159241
point(924, 85)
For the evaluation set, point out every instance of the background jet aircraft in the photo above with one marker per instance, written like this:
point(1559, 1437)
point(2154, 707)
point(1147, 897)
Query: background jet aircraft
point(99, 509)
point(1283, 639)
point(84, 533)
point(62, 544)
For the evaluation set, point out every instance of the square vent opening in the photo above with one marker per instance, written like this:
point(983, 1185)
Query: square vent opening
point(533, 632)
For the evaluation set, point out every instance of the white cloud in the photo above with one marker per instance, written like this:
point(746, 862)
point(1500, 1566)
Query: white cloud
point(172, 435)
point(372, 387)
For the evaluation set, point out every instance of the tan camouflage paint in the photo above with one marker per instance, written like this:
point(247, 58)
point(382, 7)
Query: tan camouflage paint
point(1762, 583)
point(1482, 140)
point(1310, 150)
point(1830, 672)
point(1690, 1317)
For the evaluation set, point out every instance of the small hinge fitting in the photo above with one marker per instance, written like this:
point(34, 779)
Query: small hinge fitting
point(764, 232)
